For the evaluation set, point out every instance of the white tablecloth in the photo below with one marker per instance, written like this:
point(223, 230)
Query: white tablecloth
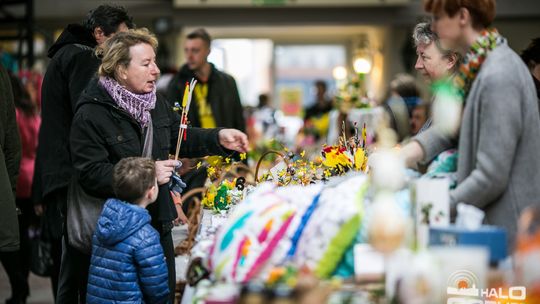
point(210, 222)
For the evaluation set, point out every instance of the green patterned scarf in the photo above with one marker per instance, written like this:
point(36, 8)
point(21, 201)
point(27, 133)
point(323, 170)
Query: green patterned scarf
point(488, 40)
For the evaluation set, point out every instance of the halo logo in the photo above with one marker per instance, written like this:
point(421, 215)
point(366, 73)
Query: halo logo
point(463, 289)
point(463, 283)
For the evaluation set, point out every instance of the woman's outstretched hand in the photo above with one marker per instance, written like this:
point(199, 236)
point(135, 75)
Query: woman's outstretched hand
point(233, 139)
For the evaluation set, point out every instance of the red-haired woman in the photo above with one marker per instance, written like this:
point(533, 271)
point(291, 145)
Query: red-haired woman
point(499, 137)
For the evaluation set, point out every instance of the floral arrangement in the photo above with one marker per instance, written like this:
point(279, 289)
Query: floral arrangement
point(218, 166)
point(225, 185)
point(350, 95)
point(294, 169)
point(348, 154)
point(221, 197)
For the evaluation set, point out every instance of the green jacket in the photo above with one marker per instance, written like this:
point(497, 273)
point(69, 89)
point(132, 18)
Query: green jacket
point(10, 156)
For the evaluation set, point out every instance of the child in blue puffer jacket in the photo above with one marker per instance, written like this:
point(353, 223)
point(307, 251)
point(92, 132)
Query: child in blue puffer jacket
point(127, 264)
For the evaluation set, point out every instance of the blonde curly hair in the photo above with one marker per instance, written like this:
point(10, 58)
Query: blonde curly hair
point(114, 52)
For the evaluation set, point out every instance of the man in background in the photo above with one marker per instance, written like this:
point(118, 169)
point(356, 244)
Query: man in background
point(215, 101)
point(322, 104)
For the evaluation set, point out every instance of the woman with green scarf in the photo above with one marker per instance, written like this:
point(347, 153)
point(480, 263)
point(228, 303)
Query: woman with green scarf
point(499, 135)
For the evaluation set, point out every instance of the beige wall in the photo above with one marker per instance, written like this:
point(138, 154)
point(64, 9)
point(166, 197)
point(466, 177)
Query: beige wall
point(519, 32)
point(386, 42)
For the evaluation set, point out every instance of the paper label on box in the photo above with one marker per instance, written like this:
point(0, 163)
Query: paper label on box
point(276, 169)
point(432, 202)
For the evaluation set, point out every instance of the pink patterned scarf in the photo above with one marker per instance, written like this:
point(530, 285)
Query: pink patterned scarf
point(137, 105)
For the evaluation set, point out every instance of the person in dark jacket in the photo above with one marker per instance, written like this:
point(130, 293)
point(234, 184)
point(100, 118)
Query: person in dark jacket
point(322, 104)
point(17, 263)
point(72, 65)
point(216, 101)
point(531, 57)
point(127, 264)
point(119, 115)
point(10, 157)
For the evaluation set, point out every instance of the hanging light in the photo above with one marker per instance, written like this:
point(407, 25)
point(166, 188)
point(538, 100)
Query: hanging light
point(362, 65)
point(339, 73)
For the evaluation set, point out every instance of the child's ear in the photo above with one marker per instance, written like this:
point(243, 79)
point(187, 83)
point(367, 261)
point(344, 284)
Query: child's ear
point(150, 192)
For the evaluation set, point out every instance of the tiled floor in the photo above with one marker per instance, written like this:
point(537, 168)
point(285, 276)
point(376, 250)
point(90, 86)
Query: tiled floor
point(40, 289)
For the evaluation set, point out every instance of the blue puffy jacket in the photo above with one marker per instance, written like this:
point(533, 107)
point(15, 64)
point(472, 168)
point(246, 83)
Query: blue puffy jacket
point(127, 265)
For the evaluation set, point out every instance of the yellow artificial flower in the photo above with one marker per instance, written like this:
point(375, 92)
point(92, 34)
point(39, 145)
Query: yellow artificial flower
point(206, 203)
point(327, 173)
point(364, 165)
point(211, 197)
point(364, 135)
point(359, 157)
point(242, 156)
point(229, 183)
point(215, 160)
point(335, 158)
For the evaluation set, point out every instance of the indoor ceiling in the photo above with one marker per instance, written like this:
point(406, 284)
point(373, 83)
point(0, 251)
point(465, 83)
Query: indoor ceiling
point(54, 13)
